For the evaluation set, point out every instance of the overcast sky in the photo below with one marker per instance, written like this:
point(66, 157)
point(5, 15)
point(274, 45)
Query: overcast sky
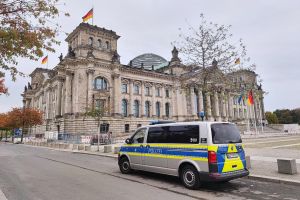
point(270, 29)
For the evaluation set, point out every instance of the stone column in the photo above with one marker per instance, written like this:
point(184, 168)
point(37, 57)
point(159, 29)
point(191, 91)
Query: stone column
point(200, 100)
point(153, 102)
point(163, 98)
point(142, 103)
point(216, 102)
point(59, 91)
point(130, 102)
point(208, 106)
point(68, 103)
point(116, 94)
point(223, 105)
point(193, 103)
point(90, 73)
point(230, 107)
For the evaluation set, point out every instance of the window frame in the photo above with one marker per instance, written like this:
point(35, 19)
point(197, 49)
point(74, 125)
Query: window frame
point(103, 83)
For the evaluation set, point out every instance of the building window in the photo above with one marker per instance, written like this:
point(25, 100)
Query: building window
point(167, 93)
point(167, 107)
point(136, 108)
point(124, 88)
point(99, 104)
point(104, 128)
point(136, 89)
point(147, 91)
point(157, 90)
point(90, 41)
point(100, 83)
point(107, 44)
point(157, 106)
point(139, 125)
point(99, 43)
point(147, 109)
point(127, 127)
point(124, 107)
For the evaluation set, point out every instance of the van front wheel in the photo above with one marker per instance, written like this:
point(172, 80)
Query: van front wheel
point(190, 177)
point(124, 165)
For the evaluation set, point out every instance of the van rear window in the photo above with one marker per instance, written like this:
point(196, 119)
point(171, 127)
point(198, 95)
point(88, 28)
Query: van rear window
point(225, 133)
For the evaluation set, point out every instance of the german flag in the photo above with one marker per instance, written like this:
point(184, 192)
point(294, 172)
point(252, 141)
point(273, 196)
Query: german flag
point(250, 100)
point(45, 60)
point(88, 15)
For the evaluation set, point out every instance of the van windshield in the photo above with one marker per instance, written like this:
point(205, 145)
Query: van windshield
point(225, 134)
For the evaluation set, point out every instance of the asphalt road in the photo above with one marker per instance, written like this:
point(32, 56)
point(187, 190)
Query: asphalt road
point(30, 173)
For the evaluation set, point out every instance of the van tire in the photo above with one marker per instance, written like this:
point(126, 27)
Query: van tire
point(124, 166)
point(190, 177)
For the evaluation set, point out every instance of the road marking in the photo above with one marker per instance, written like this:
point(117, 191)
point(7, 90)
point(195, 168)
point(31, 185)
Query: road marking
point(287, 145)
point(2, 196)
point(273, 141)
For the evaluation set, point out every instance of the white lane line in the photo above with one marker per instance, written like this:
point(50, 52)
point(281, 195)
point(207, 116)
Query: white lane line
point(269, 159)
point(2, 196)
point(272, 141)
point(287, 145)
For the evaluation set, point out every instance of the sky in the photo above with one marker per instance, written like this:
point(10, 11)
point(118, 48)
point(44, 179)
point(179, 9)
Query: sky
point(269, 28)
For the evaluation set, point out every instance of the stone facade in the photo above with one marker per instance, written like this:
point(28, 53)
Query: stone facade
point(91, 76)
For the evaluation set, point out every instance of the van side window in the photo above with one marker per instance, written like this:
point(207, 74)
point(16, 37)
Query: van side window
point(157, 135)
point(139, 136)
point(187, 134)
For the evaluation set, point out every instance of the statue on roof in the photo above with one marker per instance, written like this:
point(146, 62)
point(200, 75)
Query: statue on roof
point(115, 58)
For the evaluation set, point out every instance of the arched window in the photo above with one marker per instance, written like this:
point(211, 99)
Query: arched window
point(136, 108)
point(167, 107)
point(124, 107)
point(147, 109)
point(157, 107)
point(99, 43)
point(90, 41)
point(107, 44)
point(100, 83)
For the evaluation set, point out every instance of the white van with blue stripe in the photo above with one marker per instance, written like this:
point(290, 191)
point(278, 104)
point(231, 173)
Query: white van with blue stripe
point(194, 151)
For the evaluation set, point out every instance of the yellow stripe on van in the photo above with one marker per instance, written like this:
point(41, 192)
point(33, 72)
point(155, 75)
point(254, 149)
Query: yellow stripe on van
point(164, 156)
point(213, 148)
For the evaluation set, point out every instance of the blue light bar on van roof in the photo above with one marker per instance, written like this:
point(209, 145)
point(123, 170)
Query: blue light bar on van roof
point(154, 122)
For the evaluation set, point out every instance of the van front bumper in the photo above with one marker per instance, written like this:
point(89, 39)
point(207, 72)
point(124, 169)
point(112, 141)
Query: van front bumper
point(217, 177)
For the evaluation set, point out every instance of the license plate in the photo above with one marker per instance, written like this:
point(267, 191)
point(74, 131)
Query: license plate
point(232, 155)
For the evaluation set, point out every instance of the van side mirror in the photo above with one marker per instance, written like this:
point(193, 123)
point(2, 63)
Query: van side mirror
point(128, 141)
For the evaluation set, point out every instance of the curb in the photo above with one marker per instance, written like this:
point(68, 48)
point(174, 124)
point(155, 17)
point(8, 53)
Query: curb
point(273, 180)
point(95, 154)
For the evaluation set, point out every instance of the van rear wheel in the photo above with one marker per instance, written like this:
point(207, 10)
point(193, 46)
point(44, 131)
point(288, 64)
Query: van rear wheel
point(124, 166)
point(190, 177)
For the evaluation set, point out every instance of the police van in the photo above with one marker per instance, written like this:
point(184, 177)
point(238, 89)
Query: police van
point(194, 151)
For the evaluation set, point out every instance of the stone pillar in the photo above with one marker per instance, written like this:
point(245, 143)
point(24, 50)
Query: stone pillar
point(193, 103)
point(90, 73)
point(230, 107)
point(200, 100)
point(208, 106)
point(116, 94)
point(262, 107)
point(153, 102)
point(216, 105)
point(59, 91)
point(142, 103)
point(68, 103)
point(163, 107)
point(223, 105)
point(130, 102)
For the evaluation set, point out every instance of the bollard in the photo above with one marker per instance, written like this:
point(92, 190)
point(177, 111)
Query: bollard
point(248, 162)
point(75, 147)
point(87, 148)
point(81, 147)
point(56, 146)
point(94, 148)
point(287, 166)
point(107, 148)
point(116, 150)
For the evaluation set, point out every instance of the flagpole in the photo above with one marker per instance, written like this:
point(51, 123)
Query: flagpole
point(93, 15)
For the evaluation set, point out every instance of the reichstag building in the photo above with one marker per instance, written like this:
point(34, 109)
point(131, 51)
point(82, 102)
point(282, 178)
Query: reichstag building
point(148, 88)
